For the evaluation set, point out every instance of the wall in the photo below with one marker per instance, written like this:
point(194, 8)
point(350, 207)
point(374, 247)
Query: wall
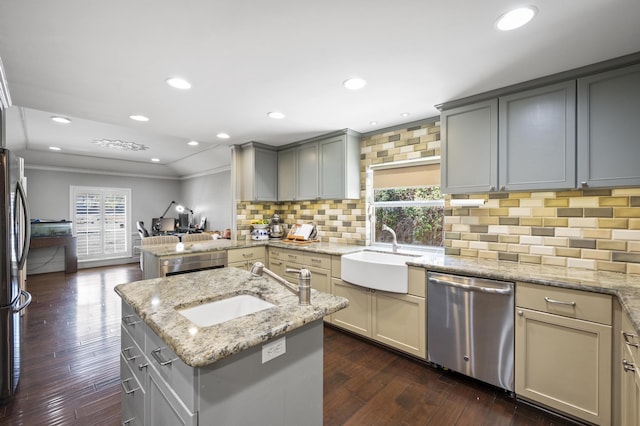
point(592, 229)
point(344, 221)
point(209, 196)
point(48, 193)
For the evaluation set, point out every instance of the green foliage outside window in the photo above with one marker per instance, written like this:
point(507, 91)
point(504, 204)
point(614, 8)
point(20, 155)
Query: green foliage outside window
point(414, 225)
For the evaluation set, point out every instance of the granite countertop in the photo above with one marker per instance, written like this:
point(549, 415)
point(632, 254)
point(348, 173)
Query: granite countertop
point(157, 302)
point(215, 245)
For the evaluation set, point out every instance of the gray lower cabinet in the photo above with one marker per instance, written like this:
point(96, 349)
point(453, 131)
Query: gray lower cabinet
point(470, 148)
point(158, 389)
point(608, 128)
point(537, 138)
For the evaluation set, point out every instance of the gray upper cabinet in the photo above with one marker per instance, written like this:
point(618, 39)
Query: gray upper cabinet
point(537, 138)
point(339, 167)
point(470, 148)
point(609, 128)
point(258, 173)
point(324, 168)
point(307, 171)
point(287, 174)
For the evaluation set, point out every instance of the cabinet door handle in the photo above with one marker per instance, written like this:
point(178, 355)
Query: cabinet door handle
point(584, 184)
point(128, 421)
point(125, 386)
point(492, 188)
point(559, 302)
point(520, 313)
point(627, 336)
point(502, 188)
point(157, 354)
point(127, 355)
point(627, 366)
point(127, 320)
point(143, 366)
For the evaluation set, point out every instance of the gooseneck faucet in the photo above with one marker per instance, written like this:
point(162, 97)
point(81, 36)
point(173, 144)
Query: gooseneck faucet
point(394, 244)
point(302, 290)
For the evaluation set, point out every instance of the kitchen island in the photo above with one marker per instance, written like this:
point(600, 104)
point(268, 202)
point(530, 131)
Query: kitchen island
point(260, 368)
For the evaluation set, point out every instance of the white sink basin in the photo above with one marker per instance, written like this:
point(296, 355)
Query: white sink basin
point(380, 271)
point(224, 310)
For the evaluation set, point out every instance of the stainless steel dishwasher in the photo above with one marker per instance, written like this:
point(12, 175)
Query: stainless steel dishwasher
point(470, 327)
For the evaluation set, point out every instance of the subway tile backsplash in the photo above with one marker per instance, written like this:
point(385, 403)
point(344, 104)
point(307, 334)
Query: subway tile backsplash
point(590, 229)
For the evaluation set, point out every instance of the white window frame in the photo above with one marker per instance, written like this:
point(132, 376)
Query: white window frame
point(126, 192)
point(372, 204)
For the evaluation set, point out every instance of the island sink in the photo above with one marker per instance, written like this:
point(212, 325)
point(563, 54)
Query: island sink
point(220, 311)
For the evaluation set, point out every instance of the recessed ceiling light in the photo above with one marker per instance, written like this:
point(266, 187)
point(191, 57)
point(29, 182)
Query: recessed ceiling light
point(139, 117)
point(193, 143)
point(61, 120)
point(155, 160)
point(405, 114)
point(354, 83)
point(373, 123)
point(55, 148)
point(178, 83)
point(516, 18)
point(224, 135)
point(276, 115)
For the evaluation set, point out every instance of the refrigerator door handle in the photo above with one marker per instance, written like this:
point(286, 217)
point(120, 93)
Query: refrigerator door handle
point(27, 301)
point(27, 224)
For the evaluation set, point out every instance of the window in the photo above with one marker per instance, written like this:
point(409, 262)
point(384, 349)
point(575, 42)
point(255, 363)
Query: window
point(406, 197)
point(101, 218)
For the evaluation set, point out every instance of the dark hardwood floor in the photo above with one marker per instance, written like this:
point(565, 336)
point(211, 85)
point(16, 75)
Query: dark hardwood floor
point(70, 368)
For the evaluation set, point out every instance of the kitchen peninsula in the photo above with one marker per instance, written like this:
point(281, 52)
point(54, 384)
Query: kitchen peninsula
point(261, 368)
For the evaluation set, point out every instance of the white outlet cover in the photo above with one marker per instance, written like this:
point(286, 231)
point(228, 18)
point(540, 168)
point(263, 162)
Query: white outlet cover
point(274, 349)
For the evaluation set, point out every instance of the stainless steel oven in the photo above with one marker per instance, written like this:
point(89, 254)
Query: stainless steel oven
point(470, 327)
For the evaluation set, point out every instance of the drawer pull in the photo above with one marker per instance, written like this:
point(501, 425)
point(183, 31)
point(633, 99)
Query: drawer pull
point(316, 260)
point(247, 254)
point(127, 355)
point(157, 354)
point(627, 336)
point(559, 302)
point(143, 366)
point(125, 386)
point(292, 256)
point(127, 320)
point(627, 366)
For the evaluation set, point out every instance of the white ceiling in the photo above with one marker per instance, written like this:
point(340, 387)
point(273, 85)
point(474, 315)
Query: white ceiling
point(97, 62)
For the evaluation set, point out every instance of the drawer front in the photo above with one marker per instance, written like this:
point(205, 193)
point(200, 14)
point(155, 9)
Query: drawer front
point(133, 324)
point(578, 304)
point(293, 256)
point(132, 355)
point(251, 254)
point(131, 397)
point(178, 375)
point(631, 341)
point(275, 253)
point(316, 260)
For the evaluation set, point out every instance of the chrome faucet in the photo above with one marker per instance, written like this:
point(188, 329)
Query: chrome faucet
point(302, 290)
point(394, 244)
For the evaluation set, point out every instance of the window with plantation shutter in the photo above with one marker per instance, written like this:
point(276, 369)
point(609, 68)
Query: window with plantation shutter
point(101, 222)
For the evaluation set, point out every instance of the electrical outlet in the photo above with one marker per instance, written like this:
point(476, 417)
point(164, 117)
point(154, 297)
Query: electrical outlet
point(274, 349)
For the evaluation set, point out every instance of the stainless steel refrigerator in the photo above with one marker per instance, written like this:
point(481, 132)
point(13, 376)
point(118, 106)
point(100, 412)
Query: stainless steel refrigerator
point(15, 234)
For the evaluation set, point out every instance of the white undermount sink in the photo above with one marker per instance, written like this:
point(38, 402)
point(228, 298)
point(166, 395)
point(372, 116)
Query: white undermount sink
point(224, 310)
point(377, 270)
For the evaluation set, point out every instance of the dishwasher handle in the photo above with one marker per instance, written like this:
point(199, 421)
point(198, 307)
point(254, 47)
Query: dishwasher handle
point(506, 290)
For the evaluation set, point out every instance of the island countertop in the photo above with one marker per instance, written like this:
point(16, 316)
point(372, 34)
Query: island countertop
point(158, 301)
